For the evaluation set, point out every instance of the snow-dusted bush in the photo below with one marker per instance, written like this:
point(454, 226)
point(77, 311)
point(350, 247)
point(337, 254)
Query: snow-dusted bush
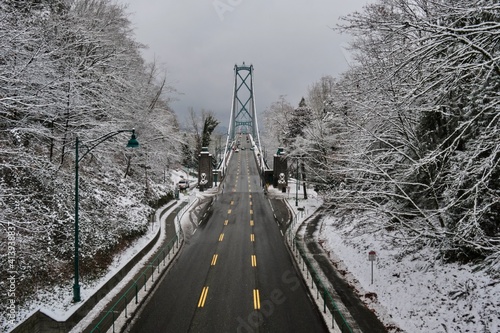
point(68, 69)
point(412, 128)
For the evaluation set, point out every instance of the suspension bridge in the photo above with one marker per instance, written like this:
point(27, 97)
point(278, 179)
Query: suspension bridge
point(242, 122)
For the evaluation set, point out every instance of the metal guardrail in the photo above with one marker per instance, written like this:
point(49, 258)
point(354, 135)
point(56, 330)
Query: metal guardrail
point(107, 322)
point(316, 282)
point(147, 276)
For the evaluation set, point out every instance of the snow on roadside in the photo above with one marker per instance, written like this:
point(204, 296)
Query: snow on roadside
point(56, 301)
point(414, 289)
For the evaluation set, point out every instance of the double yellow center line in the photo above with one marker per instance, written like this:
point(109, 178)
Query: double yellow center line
point(256, 299)
point(254, 260)
point(203, 297)
point(256, 294)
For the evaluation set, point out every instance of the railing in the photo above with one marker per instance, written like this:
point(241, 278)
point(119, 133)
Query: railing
point(130, 298)
point(132, 293)
point(316, 282)
point(129, 301)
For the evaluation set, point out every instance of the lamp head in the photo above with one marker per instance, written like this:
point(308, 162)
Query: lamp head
point(133, 143)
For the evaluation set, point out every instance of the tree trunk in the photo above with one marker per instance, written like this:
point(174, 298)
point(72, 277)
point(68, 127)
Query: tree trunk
point(303, 170)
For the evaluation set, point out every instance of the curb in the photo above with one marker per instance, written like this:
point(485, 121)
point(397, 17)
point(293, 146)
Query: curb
point(293, 236)
point(42, 322)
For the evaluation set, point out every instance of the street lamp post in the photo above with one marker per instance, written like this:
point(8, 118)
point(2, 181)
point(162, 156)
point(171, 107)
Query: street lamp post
point(297, 185)
point(132, 143)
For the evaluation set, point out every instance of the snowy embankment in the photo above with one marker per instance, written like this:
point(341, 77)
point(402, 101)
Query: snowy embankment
point(56, 301)
point(411, 287)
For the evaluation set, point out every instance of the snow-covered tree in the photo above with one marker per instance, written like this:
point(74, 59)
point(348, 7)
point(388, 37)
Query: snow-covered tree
point(411, 129)
point(71, 68)
point(423, 102)
point(277, 120)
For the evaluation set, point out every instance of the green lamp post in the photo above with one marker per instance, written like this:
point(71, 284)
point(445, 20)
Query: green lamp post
point(132, 143)
point(297, 185)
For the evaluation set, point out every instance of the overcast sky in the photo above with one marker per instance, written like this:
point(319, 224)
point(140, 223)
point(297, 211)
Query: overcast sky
point(290, 44)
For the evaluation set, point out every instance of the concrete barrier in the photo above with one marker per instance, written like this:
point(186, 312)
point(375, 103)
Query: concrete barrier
point(40, 322)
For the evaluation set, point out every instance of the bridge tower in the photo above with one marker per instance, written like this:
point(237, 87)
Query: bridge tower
point(243, 113)
point(243, 116)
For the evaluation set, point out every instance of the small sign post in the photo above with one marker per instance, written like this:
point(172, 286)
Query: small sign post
point(371, 256)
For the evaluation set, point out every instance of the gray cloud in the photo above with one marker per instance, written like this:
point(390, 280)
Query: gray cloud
point(289, 43)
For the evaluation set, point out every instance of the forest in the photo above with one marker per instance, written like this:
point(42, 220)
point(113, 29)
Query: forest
point(411, 130)
point(72, 69)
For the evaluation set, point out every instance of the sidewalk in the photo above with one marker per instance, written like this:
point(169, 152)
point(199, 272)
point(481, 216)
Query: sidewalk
point(362, 319)
point(166, 217)
point(359, 317)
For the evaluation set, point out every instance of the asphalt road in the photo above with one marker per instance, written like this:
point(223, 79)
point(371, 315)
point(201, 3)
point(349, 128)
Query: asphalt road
point(362, 318)
point(235, 273)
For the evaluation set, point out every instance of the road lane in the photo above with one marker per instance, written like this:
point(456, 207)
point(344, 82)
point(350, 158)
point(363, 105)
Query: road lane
point(235, 273)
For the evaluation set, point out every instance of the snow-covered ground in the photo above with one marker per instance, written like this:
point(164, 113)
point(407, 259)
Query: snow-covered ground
point(57, 302)
point(411, 287)
point(416, 290)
